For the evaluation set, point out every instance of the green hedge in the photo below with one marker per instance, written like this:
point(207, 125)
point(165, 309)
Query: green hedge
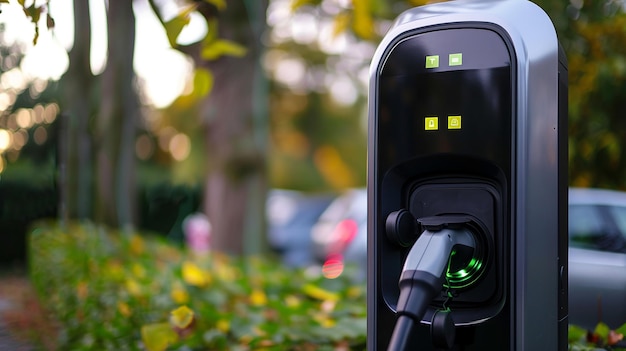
point(114, 291)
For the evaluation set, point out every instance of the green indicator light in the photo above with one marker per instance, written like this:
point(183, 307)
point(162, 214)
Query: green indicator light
point(432, 61)
point(455, 59)
point(463, 271)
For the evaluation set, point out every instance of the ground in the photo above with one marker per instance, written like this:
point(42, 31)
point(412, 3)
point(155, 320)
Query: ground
point(24, 325)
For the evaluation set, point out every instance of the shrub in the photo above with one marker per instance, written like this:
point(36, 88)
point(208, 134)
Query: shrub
point(115, 291)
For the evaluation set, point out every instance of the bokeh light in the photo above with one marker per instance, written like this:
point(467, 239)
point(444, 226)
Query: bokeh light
point(24, 118)
point(180, 146)
point(144, 147)
point(40, 135)
point(51, 111)
point(20, 138)
point(333, 268)
point(5, 139)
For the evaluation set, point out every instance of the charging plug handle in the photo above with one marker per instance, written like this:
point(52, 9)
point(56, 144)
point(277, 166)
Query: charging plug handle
point(423, 277)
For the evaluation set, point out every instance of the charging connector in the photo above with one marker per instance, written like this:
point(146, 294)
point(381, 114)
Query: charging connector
point(423, 277)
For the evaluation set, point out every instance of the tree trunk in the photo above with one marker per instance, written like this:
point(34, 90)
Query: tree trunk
point(117, 121)
point(75, 149)
point(235, 121)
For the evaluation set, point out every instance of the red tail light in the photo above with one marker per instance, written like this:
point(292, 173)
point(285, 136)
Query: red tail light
point(341, 237)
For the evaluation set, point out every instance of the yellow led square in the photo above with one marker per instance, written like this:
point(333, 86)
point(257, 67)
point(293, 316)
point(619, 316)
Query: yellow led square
point(454, 122)
point(432, 123)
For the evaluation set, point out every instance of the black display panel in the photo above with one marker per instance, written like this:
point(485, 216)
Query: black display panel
point(447, 91)
point(445, 116)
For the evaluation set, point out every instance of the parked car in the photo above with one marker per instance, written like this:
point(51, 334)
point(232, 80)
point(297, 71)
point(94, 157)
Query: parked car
point(597, 253)
point(340, 234)
point(290, 216)
point(597, 257)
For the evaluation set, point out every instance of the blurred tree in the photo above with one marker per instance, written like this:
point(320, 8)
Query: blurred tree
point(117, 122)
point(318, 59)
point(593, 34)
point(75, 144)
point(233, 117)
point(595, 41)
point(117, 115)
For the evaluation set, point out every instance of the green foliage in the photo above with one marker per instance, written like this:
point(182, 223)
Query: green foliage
point(593, 35)
point(602, 338)
point(597, 86)
point(114, 291)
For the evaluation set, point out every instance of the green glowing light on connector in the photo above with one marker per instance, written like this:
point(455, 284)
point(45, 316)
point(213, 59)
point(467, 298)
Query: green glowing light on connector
point(463, 270)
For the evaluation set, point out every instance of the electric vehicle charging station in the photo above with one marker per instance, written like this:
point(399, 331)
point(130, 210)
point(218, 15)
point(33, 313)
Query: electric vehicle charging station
point(467, 181)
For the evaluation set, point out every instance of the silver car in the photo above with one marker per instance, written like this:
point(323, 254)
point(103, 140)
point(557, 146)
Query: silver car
point(597, 257)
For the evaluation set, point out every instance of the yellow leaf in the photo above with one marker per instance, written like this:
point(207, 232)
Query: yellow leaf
point(296, 4)
point(179, 295)
point(202, 82)
point(362, 22)
point(114, 270)
point(124, 309)
point(292, 301)
point(137, 245)
point(139, 271)
point(221, 47)
point(258, 298)
point(174, 26)
point(324, 320)
point(223, 325)
point(193, 275)
point(220, 4)
point(318, 293)
point(181, 317)
point(225, 271)
point(157, 337)
point(133, 287)
point(354, 292)
point(341, 23)
point(332, 167)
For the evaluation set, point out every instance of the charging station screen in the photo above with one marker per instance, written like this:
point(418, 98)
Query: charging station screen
point(446, 91)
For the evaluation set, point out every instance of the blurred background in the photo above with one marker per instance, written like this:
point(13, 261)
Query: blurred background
point(247, 116)
point(136, 114)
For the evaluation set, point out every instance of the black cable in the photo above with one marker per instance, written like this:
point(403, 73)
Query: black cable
point(400, 337)
point(417, 290)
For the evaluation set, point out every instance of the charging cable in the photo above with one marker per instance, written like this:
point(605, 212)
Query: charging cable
point(423, 276)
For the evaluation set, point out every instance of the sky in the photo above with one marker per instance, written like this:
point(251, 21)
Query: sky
point(164, 70)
